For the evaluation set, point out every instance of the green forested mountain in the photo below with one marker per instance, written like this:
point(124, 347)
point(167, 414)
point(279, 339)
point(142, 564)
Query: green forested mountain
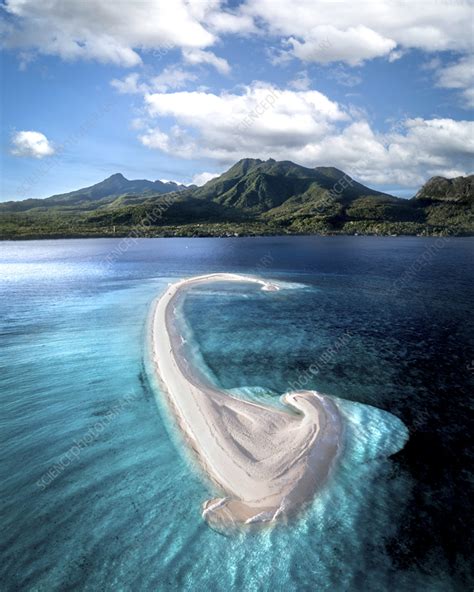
point(448, 202)
point(458, 189)
point(111, 189)
point(252, 197)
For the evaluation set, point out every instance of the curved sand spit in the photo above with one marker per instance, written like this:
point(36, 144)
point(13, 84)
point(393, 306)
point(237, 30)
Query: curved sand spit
point(266, 462)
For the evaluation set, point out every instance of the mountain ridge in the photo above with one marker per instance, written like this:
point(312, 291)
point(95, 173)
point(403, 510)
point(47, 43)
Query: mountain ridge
point(112, 187)
point(252, 197)
point(447, 189)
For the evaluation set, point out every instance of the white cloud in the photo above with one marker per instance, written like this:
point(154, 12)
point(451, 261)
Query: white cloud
point(459, 75)
point(468, 96)
point(224, 22)
point(322, 31)
point(344, 77)
point(228, 124)
point(203, 178)
point(107, 31)
point(170, 78)
point(198, 56)
point(308, 128)
point(422, 148)
point(129, 84)
point(301, 81)
point(396, 55)
point(325, 44)
point(312, 30)
point(31, 144)
point(155, 138)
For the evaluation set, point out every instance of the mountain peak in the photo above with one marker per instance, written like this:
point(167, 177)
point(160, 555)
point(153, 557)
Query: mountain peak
point(245, 164)
point(117, 176)
point(442, 189)
point(249, 161)
point(165, 182)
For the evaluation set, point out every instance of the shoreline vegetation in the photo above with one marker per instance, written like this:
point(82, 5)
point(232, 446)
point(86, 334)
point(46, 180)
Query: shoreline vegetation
point(252, 198)
point(218, 232)
point(265, 462)
point(228, 231)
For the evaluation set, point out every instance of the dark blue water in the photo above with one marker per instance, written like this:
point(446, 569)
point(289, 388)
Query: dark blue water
point(96, 491)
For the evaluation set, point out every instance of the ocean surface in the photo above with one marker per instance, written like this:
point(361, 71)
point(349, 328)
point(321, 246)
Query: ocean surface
point(98, 492)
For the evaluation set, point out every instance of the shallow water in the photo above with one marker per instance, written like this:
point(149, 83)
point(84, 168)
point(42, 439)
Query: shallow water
point(97, 493)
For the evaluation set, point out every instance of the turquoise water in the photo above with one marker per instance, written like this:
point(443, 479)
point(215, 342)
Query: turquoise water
point(98, 494)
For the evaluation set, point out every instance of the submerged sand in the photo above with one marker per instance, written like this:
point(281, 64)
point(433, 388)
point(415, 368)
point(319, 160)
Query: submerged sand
point(266, 462)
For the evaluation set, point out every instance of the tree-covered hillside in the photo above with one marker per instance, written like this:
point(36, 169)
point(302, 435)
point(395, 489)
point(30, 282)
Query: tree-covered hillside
point(252, 197)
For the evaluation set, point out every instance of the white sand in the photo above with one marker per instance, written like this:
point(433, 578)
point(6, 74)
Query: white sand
point(267, 463)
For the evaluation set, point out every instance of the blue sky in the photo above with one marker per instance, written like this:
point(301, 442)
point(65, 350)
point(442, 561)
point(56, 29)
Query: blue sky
point(161, 89)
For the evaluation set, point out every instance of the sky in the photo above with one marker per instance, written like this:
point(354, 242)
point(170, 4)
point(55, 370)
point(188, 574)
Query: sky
point(182, 89)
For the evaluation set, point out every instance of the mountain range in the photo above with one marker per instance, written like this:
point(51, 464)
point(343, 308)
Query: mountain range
point(252, 197)
point(95, 196)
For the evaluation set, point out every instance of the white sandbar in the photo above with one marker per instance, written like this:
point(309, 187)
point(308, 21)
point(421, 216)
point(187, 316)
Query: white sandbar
point(266, 462)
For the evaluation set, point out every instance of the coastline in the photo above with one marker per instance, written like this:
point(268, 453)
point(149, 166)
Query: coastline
point(266, 462)
point(127, 235)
